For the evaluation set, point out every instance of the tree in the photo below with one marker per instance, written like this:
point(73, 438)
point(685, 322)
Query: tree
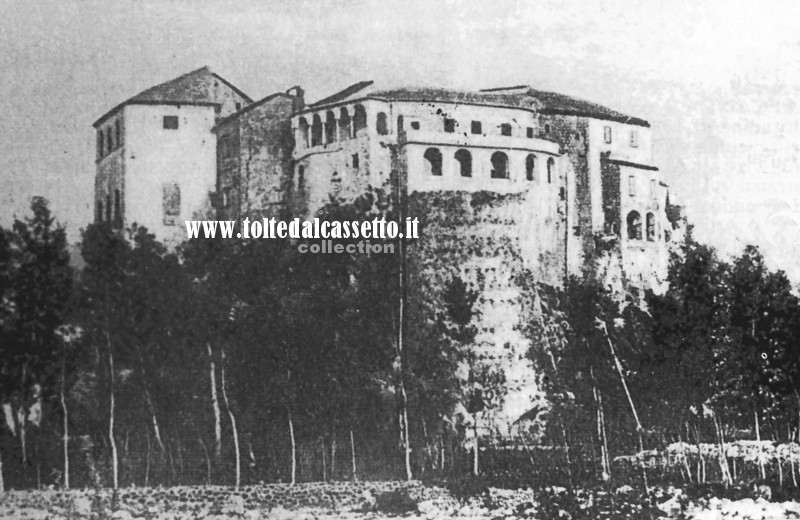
point(36, 281)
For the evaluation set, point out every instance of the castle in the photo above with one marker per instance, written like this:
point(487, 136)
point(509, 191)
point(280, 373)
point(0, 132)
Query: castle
point(514, 178)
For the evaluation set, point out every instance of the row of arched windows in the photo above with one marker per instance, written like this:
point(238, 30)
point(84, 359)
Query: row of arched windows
point(331, 129)
point(499, 164)
point(635, 226)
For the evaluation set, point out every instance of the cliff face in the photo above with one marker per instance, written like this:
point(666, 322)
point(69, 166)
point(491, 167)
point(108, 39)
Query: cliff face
point(497, 245)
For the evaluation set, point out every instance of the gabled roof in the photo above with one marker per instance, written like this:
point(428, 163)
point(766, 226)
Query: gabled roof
point(250, 107)
point(521, 96)
point(192, 88)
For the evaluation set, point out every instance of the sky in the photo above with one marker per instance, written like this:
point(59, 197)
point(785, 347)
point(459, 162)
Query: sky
point(719, 81)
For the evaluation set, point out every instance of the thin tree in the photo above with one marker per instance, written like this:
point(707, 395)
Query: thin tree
point(232, 418)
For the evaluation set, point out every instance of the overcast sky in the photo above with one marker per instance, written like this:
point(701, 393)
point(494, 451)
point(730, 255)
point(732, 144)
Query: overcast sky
point(718, 80)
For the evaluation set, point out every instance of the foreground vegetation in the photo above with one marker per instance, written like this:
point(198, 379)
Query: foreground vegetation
point(235, 362)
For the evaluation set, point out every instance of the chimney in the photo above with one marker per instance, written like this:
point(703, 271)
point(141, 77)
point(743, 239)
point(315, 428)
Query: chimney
point(299, 94)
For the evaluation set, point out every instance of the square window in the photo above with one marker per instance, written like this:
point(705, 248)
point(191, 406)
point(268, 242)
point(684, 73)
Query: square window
point(505, 129)
point(530, 132)
point(634, 139)
point(607, 134)
point(415, 125)
point(170, 122)
point(475, 128)
point(631, 186)
point(449, 125)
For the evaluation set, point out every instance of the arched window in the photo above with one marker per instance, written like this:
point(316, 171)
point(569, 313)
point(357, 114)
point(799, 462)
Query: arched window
point(108, 208)
point(434, 158)
point(344, 124)
point(400, 124)
point(117, 208)
point(109, 141)
point(651, 227)
point(330, 128)
point(316, 130)
point(118, 129)
point(359, 120)
point(303, 129)
point(464, 159)
point(551, 166)
point(499, 165)
point(530, 167)
point(99, 217)
point(381, 125)
point(634, 226)
point(100, 144)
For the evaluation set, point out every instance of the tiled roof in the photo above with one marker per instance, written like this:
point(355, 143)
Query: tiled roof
point(343, 94)
point(514, 97)
point(196, 87)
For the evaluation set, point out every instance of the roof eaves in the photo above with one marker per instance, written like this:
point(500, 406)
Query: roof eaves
point(498, 89)
point(111, 112)
point(232, 87)
point(628, 120)
point(620, 162)
point(342, 94)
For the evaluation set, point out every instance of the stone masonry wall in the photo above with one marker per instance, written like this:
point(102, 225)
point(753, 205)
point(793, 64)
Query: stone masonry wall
point(253, 158)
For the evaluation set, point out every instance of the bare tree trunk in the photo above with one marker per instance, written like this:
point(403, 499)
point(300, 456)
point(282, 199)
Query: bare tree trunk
point(22, 419)
point(601, 429)
point(208, 459)
point(147, 463)
point(333, 455)
point(566, 454)
point(761, 470)
point(324, 462)
point(212, 370)
point(65, 438)
point(353, 456)
point(294, 447)
point(406, 442)
point(527, 449)
point(723, 460)
point(233, 419)
point(639, 428)
point(441, 448)
point(112, 440)
point(400, 347)
point(149, 400)
point(791, 455)
point(475, 446)
point(23, 438)
point(154, 418)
